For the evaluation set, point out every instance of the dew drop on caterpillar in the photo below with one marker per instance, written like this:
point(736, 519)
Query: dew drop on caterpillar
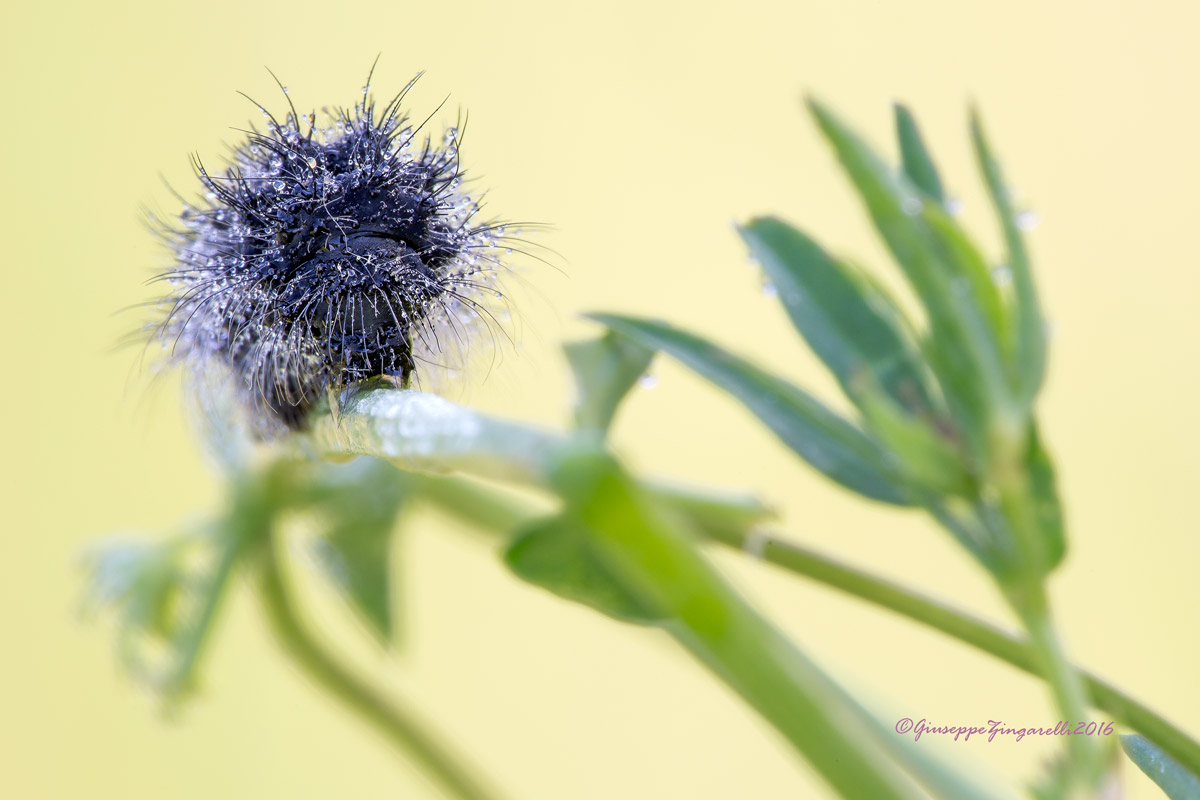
point(326, 253)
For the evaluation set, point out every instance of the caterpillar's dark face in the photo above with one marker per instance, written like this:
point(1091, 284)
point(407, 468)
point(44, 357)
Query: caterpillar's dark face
point(325, 256)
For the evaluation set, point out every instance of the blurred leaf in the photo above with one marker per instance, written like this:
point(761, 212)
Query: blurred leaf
point(165, 595)
point(964, 355)
point(356, 505)
point(968, 263)
point(355, 556)
point(605, 370)
point(1175, 781)
point(552, 554)
point(847, 321)
point(823, 439)
point(918, 164)
point(1045, 497)
point(928, 460)
point(1029, 328)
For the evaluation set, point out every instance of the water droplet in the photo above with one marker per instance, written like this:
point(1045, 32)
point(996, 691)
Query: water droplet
point(285, 91)
point(1002, 275)
point(647, 381)
point(278, 186)
point(451, 135)
point(366, 89)
point(1028, 220)
point(769, 290)
point(911, 205)
point(954, 206)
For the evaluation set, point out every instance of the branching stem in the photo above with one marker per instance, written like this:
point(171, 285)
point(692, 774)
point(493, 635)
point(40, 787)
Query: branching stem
point(406, 732)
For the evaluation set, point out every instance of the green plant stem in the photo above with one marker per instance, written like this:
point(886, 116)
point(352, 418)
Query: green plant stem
point(1026, 591)
point(460, 495)
point(376, 423)
point(198, 636)
point(237, 532)
point(1069, 692)
point(664, 568)
point(471, 501)
point(401, 727)
point(421, 431)
point(965, 628)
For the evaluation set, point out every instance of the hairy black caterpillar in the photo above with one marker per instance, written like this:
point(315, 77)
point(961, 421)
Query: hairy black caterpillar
point(325, 255)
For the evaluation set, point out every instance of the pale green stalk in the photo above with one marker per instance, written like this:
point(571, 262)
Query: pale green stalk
point(400, 726)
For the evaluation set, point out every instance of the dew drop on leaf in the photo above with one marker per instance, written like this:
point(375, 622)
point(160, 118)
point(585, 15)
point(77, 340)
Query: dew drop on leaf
point(1028, 220)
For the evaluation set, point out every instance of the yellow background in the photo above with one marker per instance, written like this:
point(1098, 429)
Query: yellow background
point(641, 131)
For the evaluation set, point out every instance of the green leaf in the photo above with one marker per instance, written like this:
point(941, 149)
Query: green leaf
point(1028, 325)
point(355, 556)
point(850, 323)
point(1045, 497)
point(165, 595)
point(964, 354)
point(928, 459)
point(551, 553)
point(356, 505)
point(829, 443)
point(1174, 779)
point(605, 370)
point(967, 263)
point(918, 164)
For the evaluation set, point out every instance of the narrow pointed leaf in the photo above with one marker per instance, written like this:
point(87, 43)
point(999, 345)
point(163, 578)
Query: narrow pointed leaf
point(1172, 777)
point(968, 264)
point(552, 554)
point(848, 322)
point(964, 354)
point(894, 205)
point(605, 370)
point(1028, 325)
point(825, 440)
point(918, 163)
